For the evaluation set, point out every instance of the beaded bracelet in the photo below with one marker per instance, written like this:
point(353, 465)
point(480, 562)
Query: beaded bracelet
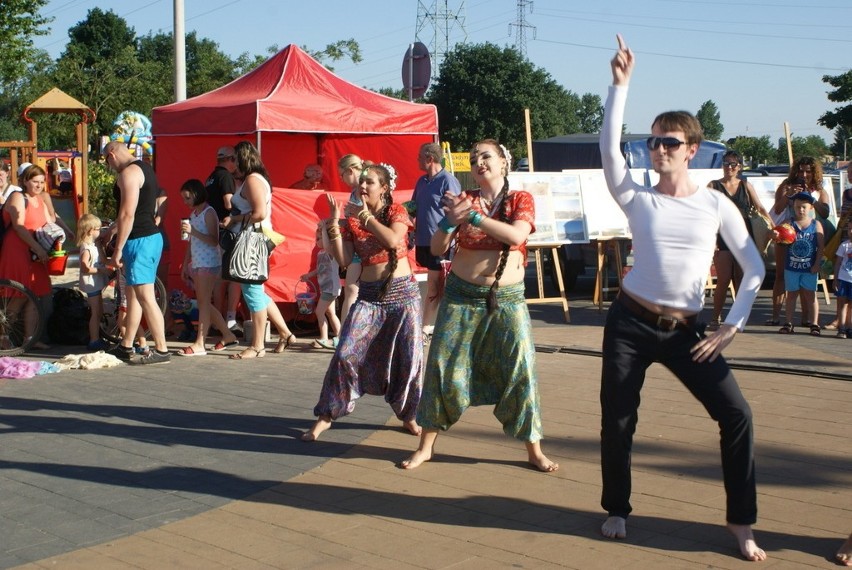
point(445, 225)
point(475, 218)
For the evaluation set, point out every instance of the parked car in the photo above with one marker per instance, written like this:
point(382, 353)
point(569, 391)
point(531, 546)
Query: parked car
point(753, 172)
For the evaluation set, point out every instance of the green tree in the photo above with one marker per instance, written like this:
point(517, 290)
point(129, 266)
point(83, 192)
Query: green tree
point(591, 113)
point(400, 93)
point(842, 116)
point(812, 145)
point(207, 68)
point(101, 36)
point(482, 91)
point(841, 146)
point(708, 116)
point(334, 52)
point(754, 150)
point(20, 21)
point(100, 68)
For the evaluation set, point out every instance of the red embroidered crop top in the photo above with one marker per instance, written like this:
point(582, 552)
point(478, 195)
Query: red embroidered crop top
point(520, 206)
point(367, 246)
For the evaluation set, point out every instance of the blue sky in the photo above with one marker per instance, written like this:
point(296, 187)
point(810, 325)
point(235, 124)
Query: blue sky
point(760, 61)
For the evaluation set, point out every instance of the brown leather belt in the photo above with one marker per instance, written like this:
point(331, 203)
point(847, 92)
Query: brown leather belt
point(662, 322)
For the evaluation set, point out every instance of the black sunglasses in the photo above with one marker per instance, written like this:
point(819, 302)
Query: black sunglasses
point(670, 143)
point(731, 164)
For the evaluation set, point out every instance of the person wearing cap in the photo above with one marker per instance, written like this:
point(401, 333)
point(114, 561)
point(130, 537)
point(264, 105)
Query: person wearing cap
point(805, 172)
point(655, 317)
point(801, 262)
point(220, 184)
point(220, 187)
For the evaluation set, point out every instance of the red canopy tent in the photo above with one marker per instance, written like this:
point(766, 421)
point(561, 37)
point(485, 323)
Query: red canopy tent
point(296, 112)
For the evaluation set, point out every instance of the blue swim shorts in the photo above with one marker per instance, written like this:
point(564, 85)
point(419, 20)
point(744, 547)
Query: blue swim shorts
point(140, 257)
point(795, 280)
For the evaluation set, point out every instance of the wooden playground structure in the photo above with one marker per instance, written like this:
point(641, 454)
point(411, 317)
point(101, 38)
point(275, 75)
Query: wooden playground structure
point(67, 170)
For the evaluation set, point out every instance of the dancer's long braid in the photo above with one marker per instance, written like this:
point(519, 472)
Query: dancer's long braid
point(491, 301)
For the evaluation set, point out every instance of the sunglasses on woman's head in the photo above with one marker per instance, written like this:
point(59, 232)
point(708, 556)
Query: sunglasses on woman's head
point(670, 143)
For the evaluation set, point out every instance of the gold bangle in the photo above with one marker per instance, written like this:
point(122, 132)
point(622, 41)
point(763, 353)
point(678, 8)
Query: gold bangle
point(337, 237)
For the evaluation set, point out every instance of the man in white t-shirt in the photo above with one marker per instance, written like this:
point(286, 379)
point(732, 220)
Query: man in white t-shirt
point(654, 318)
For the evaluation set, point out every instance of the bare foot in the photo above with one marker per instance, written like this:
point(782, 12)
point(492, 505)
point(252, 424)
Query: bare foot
point(745, 539)
point(412, 427)
point(320, 426)
point(614, 527)
point(417, 458)
point(538, 459)
point(844, 555)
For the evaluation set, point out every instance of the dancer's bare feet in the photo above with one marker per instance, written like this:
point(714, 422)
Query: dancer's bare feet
point(538, 459)
point(424, 451)
point(322, 424)
point(745, 539)
point(412, 426)
point(417, 458)
point(614, 527)
point(844, 555)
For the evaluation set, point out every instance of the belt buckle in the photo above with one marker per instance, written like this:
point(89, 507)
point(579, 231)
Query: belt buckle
point(667, 323)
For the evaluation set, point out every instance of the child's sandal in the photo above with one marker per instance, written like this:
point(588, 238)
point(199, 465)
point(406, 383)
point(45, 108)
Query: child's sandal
point(786, 329)
point(815, 330)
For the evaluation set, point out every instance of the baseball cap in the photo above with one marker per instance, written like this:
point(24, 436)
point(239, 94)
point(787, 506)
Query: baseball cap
point(23, 167)
point(225, 152)
point(804, 196)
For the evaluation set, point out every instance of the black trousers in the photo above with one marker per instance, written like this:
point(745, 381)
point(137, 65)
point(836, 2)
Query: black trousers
point(630, 346)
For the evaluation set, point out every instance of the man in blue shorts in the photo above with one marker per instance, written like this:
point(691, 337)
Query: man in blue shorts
point(138, 247)
point(428, 192)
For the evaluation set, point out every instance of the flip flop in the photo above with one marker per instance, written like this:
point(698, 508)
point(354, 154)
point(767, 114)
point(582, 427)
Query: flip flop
point(223, 345)
point(188, 351)
point(327, 344)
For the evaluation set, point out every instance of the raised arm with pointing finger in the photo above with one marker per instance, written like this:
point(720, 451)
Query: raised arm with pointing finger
point(655, 316)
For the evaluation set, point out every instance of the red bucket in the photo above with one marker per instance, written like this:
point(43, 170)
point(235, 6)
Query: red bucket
point(56, 264)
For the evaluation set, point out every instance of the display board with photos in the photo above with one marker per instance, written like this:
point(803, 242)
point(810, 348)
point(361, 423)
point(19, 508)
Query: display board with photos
point(559, 211)
point(575, 206)
point(604, 217)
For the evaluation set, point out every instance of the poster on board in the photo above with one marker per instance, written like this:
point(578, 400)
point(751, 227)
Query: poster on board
point(559, 216)
point(604, 218)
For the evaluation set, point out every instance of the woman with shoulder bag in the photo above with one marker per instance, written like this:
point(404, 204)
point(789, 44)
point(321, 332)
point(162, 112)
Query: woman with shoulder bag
point(744, 197)
point(254, 196)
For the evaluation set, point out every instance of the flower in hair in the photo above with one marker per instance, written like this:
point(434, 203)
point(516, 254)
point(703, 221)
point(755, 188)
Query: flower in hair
point(508, 157)
point(391, 175)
